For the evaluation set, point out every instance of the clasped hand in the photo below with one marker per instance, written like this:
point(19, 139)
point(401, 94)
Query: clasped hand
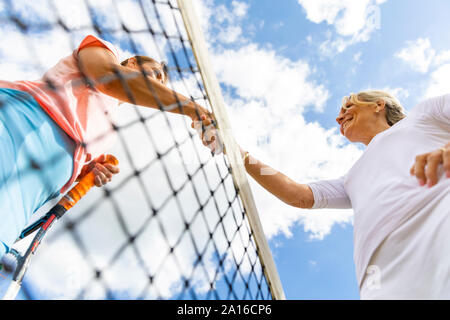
point(426, 165)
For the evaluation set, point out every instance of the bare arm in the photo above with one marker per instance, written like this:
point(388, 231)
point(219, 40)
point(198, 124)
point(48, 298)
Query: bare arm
point(284, 188)
point(100, 66)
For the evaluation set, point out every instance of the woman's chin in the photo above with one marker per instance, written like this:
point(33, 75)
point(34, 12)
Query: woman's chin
point(349, 136)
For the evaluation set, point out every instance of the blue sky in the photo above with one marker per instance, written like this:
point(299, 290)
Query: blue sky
point(284, 67)
point(404, 51)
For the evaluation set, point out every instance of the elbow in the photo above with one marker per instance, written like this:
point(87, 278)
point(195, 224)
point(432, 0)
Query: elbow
point(108, 82)
point(301, 197)
point(126, 86)
point(108, 88)
point(306, 203)
point(301, 203)
point(113, 84)
point(104, 78)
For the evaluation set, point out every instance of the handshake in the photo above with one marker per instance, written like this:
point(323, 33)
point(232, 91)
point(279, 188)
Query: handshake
point(208, 133)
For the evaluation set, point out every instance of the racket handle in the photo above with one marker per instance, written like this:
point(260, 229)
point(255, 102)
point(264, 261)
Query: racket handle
point(12, 291)
point(82, 187)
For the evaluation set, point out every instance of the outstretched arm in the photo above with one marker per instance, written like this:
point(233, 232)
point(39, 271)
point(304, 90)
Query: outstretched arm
point(293, 193)
point(100, 66)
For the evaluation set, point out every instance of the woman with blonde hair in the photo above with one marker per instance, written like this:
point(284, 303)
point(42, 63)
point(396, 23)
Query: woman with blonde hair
point(399, 190)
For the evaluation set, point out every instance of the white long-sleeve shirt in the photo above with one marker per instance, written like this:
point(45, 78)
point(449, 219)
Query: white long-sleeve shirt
point(386, 198)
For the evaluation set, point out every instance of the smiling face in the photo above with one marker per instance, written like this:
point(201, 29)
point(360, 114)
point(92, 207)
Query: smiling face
point(360, 122)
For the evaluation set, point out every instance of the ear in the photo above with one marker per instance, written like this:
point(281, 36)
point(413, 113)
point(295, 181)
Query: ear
point(381, 104)
point(132, 62)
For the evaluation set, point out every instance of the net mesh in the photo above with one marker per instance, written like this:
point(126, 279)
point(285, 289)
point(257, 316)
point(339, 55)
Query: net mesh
point(172, 224)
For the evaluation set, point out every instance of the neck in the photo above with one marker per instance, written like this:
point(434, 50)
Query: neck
point(374, 130)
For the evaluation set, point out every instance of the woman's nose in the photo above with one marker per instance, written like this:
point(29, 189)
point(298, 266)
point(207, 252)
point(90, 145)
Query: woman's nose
point(341, 115)
point(159, 76)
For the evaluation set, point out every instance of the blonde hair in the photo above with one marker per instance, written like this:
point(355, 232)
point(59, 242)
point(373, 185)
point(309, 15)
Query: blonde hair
point(394, 110)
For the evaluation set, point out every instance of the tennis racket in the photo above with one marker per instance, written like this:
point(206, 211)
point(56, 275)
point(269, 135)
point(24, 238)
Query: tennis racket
point(44, 224)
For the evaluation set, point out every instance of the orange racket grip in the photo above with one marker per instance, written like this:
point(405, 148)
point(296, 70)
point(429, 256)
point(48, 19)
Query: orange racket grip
point(82, 187)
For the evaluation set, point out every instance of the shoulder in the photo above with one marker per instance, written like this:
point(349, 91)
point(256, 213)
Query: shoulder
point(431, 103)
point(93, 41)
point(437, 107)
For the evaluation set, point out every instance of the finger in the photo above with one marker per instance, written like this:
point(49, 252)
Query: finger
point(106, 172)
point(197, 125)
point(207, 139)
point(206, 119)
point(446, 161)
point(99, 178)
point(419, 168)
point(101, 158)
point(98, 181)
point(434, 159)
point(87, 168)
point(206, 143)
point(207, 122)
point(112, 168)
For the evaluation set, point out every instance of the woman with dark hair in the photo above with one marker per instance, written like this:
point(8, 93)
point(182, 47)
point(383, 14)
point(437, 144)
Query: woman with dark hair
point(51, 127)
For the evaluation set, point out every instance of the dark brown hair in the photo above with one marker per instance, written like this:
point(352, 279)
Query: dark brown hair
point(143, 59)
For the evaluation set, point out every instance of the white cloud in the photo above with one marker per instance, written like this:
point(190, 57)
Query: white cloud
point(262, 74)
point(353, 20)
point(221, 24)
point(418, 54)
point(239, 8)
point(442, 57)
point(75, 14)
point(312, 263)
point(230, 35)
point(319, 224)
point(357, 57)
point(439, 82)
point(399, 93)
point(421, 56)
point(349, 17)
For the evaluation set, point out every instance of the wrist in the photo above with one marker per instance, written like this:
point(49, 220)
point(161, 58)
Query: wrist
point(194, 111)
